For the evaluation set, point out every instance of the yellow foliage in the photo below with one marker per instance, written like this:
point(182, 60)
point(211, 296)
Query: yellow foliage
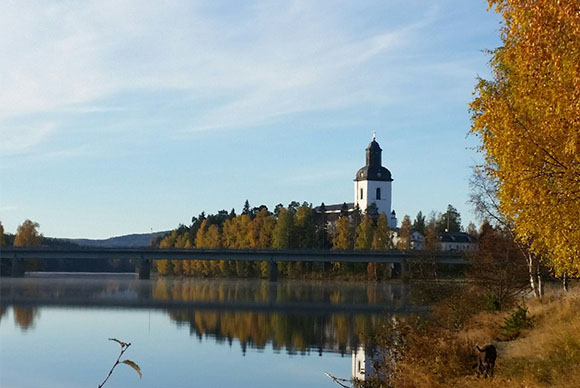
point(528, 119)
point(27, 234)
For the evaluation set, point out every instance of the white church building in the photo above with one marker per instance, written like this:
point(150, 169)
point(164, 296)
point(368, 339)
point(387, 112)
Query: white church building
point(372, 185)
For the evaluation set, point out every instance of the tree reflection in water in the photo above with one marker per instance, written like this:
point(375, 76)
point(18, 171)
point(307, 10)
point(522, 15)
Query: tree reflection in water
point(296, 316)
point(294, 331)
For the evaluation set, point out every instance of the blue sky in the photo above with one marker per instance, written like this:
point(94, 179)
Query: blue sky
point(122, 117)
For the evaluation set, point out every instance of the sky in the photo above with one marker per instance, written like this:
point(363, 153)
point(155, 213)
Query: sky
point(131, 116)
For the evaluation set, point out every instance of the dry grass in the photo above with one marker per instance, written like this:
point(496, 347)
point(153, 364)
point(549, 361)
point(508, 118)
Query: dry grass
point(549, 356)
point(545, 355)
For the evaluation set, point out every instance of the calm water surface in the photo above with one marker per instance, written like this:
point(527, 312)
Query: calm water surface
point(186, 332)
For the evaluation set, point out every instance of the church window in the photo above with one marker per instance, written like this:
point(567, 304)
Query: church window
point(378, 193)
point(361, 193)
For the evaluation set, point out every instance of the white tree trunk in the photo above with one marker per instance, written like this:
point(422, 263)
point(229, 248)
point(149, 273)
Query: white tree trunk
point(533, 272)
point(540, 281)
point(565, 281)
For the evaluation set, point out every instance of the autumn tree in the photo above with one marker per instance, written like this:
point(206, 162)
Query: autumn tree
point(484, 198)
point(261, 231)
point(343, 237)
point(383, 236)
point(282, 235)
point(166, 267)
point(528, 119)
point(498, 267)
point(364, 234)
point(2, 237)
point(471, 230)
point(27, 234)
point(404, 241)
point(431, 234)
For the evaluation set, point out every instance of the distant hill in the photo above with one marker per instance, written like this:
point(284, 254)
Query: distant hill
point(127, 241)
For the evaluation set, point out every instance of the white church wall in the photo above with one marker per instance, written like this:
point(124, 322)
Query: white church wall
point(362, 365)
point(369, 189)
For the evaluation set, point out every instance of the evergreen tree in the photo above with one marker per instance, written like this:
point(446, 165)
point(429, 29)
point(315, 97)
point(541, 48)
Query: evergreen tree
point(277, 209)
point(304, 227)
point(355, 220)
point(372, 211)
point(419, 223)
point(246, 210)
point(322, 239)
point(293, 206)
point(344, 210)
point(450, 221)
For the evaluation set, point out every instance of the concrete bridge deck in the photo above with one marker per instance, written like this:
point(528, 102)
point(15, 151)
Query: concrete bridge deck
point(145, 256)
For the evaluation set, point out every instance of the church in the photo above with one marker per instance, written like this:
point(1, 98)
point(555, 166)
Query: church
point(372, 185)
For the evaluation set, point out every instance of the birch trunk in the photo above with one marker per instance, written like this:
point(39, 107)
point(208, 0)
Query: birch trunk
point(565, 283)
point(540, 278)
point(533, 273)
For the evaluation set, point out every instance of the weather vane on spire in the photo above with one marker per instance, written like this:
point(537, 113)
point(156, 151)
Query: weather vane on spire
point(374, 135)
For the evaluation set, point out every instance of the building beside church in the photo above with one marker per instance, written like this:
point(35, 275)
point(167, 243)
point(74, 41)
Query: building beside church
point(457, 241)
point(372, 185)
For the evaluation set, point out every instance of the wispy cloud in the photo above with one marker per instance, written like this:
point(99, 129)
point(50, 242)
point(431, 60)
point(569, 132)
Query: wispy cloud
point(8, 208)
point(253, 63)
point(19, 139)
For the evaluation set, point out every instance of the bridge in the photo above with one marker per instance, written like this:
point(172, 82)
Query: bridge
point(144, 256)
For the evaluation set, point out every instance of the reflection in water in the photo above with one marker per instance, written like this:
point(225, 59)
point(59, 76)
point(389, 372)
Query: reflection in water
point(60, 320)
point(297, 316)
point(24, 317)
point(294, 332)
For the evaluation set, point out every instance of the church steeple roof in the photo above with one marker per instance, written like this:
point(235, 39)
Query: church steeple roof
point(373, 170)
point(374, 152)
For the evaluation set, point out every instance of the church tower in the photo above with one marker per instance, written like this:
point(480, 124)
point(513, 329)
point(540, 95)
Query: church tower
point(372, 184)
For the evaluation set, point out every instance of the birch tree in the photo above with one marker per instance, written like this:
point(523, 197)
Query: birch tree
point(528, 119)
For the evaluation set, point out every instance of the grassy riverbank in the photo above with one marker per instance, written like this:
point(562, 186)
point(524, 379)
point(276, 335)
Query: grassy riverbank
point(538, 344)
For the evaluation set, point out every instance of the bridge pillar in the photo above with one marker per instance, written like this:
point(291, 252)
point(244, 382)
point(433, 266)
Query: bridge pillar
point(405, 271)
point(17, 270)
point(272, 292)
point(144, 269)
point(272, 271)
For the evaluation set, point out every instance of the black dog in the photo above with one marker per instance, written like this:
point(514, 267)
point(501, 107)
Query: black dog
point(485, 360)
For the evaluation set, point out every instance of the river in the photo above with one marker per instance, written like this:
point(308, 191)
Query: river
point(54, 330)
